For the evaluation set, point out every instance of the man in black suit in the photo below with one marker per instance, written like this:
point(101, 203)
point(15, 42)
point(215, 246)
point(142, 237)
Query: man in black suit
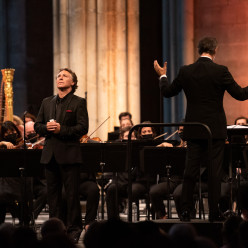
point(63, 120)
point(204, 84)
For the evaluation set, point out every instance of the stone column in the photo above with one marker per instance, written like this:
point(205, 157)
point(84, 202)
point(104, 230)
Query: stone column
point(102, 66)
point(91, 63)
point(61, 36)
point(92, 37)
point(133, 58)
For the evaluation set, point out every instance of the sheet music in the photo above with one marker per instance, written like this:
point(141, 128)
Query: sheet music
point(237, 127)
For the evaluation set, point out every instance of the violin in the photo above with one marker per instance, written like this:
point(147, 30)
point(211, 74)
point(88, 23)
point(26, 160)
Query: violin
point(85, 138)
point(38, 144)
point(20, 143)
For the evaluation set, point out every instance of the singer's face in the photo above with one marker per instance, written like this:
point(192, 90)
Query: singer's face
point(64, 80)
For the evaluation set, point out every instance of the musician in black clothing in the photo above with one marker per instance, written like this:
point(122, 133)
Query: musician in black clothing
point(89, 192)
point(242, 173)
point(119, 183)
point(125, 119)
point(161, 191)
point(224, 201)
point(15, 192)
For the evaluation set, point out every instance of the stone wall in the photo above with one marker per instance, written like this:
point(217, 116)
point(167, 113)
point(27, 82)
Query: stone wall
point(227, 20)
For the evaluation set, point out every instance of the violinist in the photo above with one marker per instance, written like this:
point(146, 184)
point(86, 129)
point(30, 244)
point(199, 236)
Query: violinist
point(158, 192)
point(6, 145)
point(32, 137)
point(10, 133)
point(125, 119)
point(19, 124)
point(11, 187)
point(119, 183)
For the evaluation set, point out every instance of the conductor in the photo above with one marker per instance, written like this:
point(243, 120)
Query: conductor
point(204, 84)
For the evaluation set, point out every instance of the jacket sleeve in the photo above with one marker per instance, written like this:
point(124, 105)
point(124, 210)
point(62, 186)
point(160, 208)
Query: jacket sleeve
point(232, 87)
point(169, 90)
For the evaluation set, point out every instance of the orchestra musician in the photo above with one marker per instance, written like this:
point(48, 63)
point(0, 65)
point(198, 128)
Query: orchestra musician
point(204, 84)
point(10, 133)
point(125, 119)
point(242, 173)
point(89, 192)
point(119, 183)
point(12, 188)
point(19, 124)
point(162, 190)
point(63, 120)
point(29, 117)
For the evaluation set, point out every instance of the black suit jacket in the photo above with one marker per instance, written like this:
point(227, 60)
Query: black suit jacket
point(204, 84)
point(73, 120)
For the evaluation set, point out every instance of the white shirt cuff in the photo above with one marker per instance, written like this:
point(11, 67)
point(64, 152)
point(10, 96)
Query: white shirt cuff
point(163, 76)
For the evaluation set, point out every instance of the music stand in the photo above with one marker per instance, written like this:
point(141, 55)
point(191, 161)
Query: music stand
point(237, 157)
point(20, 163)
point(103, 157)
point(158, 160)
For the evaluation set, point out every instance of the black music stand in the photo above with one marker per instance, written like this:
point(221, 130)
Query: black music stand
point(237, 158)
point(103, 157)
point(92, 154)
point(163, 160)
point(20, 163)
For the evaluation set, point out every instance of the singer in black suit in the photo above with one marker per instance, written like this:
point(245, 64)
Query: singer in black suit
point(204, 84)
point(63, 120)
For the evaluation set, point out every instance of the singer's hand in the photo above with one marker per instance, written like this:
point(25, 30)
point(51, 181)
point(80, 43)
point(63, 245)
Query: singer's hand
point(160, 70)
point(51, 126)
point(57, 129)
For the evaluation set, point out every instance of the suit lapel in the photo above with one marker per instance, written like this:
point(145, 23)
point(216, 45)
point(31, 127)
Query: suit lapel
point(52, 114)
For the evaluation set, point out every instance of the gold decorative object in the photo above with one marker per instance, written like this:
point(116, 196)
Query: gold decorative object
point(6, 101)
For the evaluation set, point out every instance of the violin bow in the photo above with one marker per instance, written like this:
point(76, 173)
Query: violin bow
point(96, 129)
point(171, 135)
point(163, 134)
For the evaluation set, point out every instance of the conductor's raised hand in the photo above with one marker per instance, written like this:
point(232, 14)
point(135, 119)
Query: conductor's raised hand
point(160, 70)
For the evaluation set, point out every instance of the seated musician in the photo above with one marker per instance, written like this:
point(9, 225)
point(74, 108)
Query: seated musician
point(238, 139)
point(6, 144)
point(243, 175)
point(125, 119)
point(11, 188)
point(32, 137)
point(119, 183)
point(29, 117)
point(11, 134)
point(19, 124)
point(224, 197)
point(159, 192)
point(89, 192)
